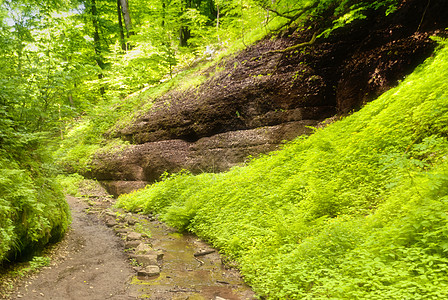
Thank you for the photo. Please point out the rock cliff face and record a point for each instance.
(262, 97)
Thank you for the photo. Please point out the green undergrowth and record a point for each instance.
(33, 210)
(358, 210)
(91, 133)
(77, 186)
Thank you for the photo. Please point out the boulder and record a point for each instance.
(146, 162)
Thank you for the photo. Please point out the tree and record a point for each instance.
(120, 26)
(126, 16)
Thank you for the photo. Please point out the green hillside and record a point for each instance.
(69, 65)
(358, 210)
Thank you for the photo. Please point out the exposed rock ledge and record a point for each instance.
(132, 168)
(253, 101)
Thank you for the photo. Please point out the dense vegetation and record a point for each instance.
(33, 210)
(155, 58)
(357, 210)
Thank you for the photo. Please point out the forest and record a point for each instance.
(357, 209)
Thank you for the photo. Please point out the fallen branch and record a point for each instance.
(293, 14)
(200, 261)
(202, 253)
(309, 43)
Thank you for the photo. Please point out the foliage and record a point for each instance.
(70, 183)
(33, 211)
(356, 210)
(152, 60)
(32, 208)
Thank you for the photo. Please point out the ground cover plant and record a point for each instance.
(358, 210)
(33, 210)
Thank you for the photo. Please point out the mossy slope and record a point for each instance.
(357, 210)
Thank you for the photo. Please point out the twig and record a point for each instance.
(203, 253)
(312, 41)
(200, 261)
(423, 16)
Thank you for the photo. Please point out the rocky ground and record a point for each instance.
(110, 254)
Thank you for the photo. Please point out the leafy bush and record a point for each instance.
(356, 210)
(33, 210)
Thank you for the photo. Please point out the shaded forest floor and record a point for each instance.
(97, 260)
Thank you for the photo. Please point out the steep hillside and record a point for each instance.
(251, 102)
(357, 210)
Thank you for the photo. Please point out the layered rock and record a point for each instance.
(124, 171)
(262, 97)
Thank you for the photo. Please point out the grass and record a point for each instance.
(356, 210)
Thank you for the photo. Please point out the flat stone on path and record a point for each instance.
(143, 248)
(111, 222)
(149, 271)
(131, 244)
(132, 236)
(145, 259)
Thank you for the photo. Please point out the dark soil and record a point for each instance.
(93, 261)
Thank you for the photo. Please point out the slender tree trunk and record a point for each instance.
(185, 33)
(217, 21)
(126, 17)
(70, 99)
(96, 41)
(96, 35)
(242, 24)
(120, 26)
(163, 13)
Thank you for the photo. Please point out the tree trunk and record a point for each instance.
(120, 26)
(185, 33)
(126, 17)
(96, 41)
(163, 13)
(217, 21)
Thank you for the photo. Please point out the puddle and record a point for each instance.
(184, 276)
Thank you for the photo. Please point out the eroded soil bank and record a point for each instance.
(106, 255)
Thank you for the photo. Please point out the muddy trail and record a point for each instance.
(111, 254)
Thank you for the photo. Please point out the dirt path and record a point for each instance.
(106, 255)
(89, 264)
